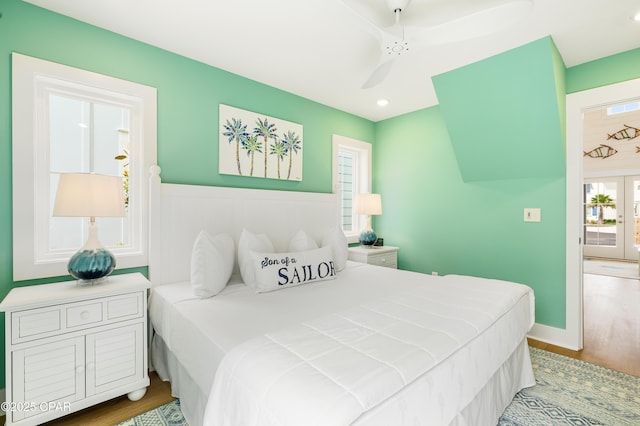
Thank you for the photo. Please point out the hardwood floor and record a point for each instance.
(612, 339)
(119, 409)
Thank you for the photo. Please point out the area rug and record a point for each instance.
(567, 392)
(611, 268)
(167, 415)
(574, 392)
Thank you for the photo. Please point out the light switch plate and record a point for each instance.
(531, 215)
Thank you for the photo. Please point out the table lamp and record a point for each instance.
(90, 195)
(368, 204)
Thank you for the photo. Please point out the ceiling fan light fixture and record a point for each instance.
(398, 48)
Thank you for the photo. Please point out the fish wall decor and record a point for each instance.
(603, 151)
(627, 133)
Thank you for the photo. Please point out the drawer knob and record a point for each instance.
(84, 315)
(80, 369)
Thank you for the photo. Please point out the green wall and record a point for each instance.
(506, 107)
(445, 225)
(189, 93)
(612, 69)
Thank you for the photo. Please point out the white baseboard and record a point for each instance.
(553, 335)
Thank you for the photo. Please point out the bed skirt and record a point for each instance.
(485, 409)
(489, 404)
(193, 400)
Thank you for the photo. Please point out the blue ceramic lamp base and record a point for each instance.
(91, 265)
(367, 238)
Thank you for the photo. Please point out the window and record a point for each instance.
(69, 120)
(351, 175)
(628, 107)
(91, 135)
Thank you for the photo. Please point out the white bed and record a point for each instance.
(374, 346)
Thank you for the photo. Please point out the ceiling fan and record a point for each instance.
(401, 28)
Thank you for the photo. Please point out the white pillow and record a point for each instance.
(336, 239)
(211, 264)
(301, 242)
(275, 271)
(247, 242)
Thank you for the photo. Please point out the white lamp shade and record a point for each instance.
(370, 204)
(89, 195)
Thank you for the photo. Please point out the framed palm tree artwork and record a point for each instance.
(256, 145)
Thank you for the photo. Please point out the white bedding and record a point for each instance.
(199, 333)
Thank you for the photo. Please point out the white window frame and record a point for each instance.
(362, 175)
(33, 81)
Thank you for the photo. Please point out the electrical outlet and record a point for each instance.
(531, 215)
(434, 273)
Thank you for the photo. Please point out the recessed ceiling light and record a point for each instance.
(636, 17)
(383, 102)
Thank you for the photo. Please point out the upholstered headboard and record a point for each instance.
(178, 213)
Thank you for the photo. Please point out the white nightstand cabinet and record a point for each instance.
(69, 347)
(381, 256)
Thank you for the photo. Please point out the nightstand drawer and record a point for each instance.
(84, 314)
(33, 323)
(384, 259)
(125, 307)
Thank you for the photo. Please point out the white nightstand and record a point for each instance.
(69, 347)
(381, 256)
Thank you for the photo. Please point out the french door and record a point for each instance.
(610, 217)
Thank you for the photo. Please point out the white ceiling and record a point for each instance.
(322, 50)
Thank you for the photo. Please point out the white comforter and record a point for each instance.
(438, 341)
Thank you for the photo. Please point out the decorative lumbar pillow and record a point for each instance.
(247, 242)
(336, 239)
(275, 271)
(301, 242)
(211, 263)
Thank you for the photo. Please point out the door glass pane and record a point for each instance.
(600, 213)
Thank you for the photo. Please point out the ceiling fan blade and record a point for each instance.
(379, 74)
(476, 24)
